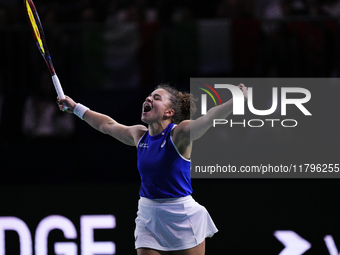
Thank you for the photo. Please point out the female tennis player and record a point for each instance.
(169, 220)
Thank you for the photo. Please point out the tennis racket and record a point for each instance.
(39, 37)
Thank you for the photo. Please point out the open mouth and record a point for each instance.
(146, 107)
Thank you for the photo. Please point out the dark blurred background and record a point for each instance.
(109, 55)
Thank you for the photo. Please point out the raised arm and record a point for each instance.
(201, 125)
(129, 135)
(188, 131)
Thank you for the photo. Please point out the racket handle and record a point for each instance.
(58, 89)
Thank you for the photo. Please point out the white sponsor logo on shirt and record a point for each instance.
(143, 145)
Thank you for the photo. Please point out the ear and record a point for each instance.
(169, 112)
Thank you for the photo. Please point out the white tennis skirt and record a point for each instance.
(172, 224)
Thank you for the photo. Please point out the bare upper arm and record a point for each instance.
(129, 135)
(192, 129)
(181, 138)
(188, 131)
(181, 131)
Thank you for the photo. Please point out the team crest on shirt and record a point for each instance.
(143, 145)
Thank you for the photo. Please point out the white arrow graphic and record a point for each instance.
(294, 244)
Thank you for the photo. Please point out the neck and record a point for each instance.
(158, 127)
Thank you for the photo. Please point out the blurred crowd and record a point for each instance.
(160, 45)
(155, 41)
(62, 11)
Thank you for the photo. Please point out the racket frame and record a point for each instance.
(40, 39)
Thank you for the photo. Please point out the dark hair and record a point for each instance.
(182, 103)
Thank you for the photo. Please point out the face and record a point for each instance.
(156, 107)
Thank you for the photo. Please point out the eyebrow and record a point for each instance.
(154, 95)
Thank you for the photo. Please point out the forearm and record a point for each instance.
(98, 121)
(103, 123)
(201, 125)
(219, 112)
(128, 135)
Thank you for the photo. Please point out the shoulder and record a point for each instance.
(137, 131)
(181, 138)
(181, 133)
(182, 129)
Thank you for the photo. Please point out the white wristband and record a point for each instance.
(80, 110)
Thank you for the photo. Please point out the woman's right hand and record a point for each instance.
(66, 102)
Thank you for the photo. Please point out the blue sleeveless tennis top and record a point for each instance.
(164, 172)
